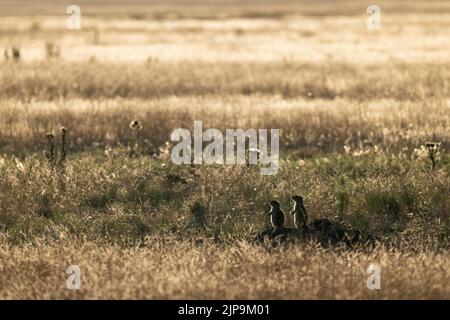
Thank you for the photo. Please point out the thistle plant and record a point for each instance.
(63, 145)
(135, 126)
(433, 152)
(50, 153)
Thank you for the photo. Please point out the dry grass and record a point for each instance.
(354, 108)
(109, 197)
(308, 126)
(289, 79)
(209, 271)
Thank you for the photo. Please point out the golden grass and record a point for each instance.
(307, 125)
(354, 107)
(182, 270)
(336, 37)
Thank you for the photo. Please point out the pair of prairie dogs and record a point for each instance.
(300, 214)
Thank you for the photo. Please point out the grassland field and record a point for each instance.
(355, 109)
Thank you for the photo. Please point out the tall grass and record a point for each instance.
(211, 271)
(357, 111)
(116, 199)
(307, 126)
(52, 80)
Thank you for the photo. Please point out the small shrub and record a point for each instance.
(101, 199)
(198, 213)
(44, 209)
(384, 205)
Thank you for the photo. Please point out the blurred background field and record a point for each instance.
(224, 31)
(355, 107)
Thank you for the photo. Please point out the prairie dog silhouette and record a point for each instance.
(326, 232)
(300, 214)
(276, 215)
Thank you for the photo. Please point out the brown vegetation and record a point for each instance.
(364, 119)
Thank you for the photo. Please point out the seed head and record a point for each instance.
(136, 125)
(432, 145)
(433, 152)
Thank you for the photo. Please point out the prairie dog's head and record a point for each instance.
(298, 199)
(274, 204)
